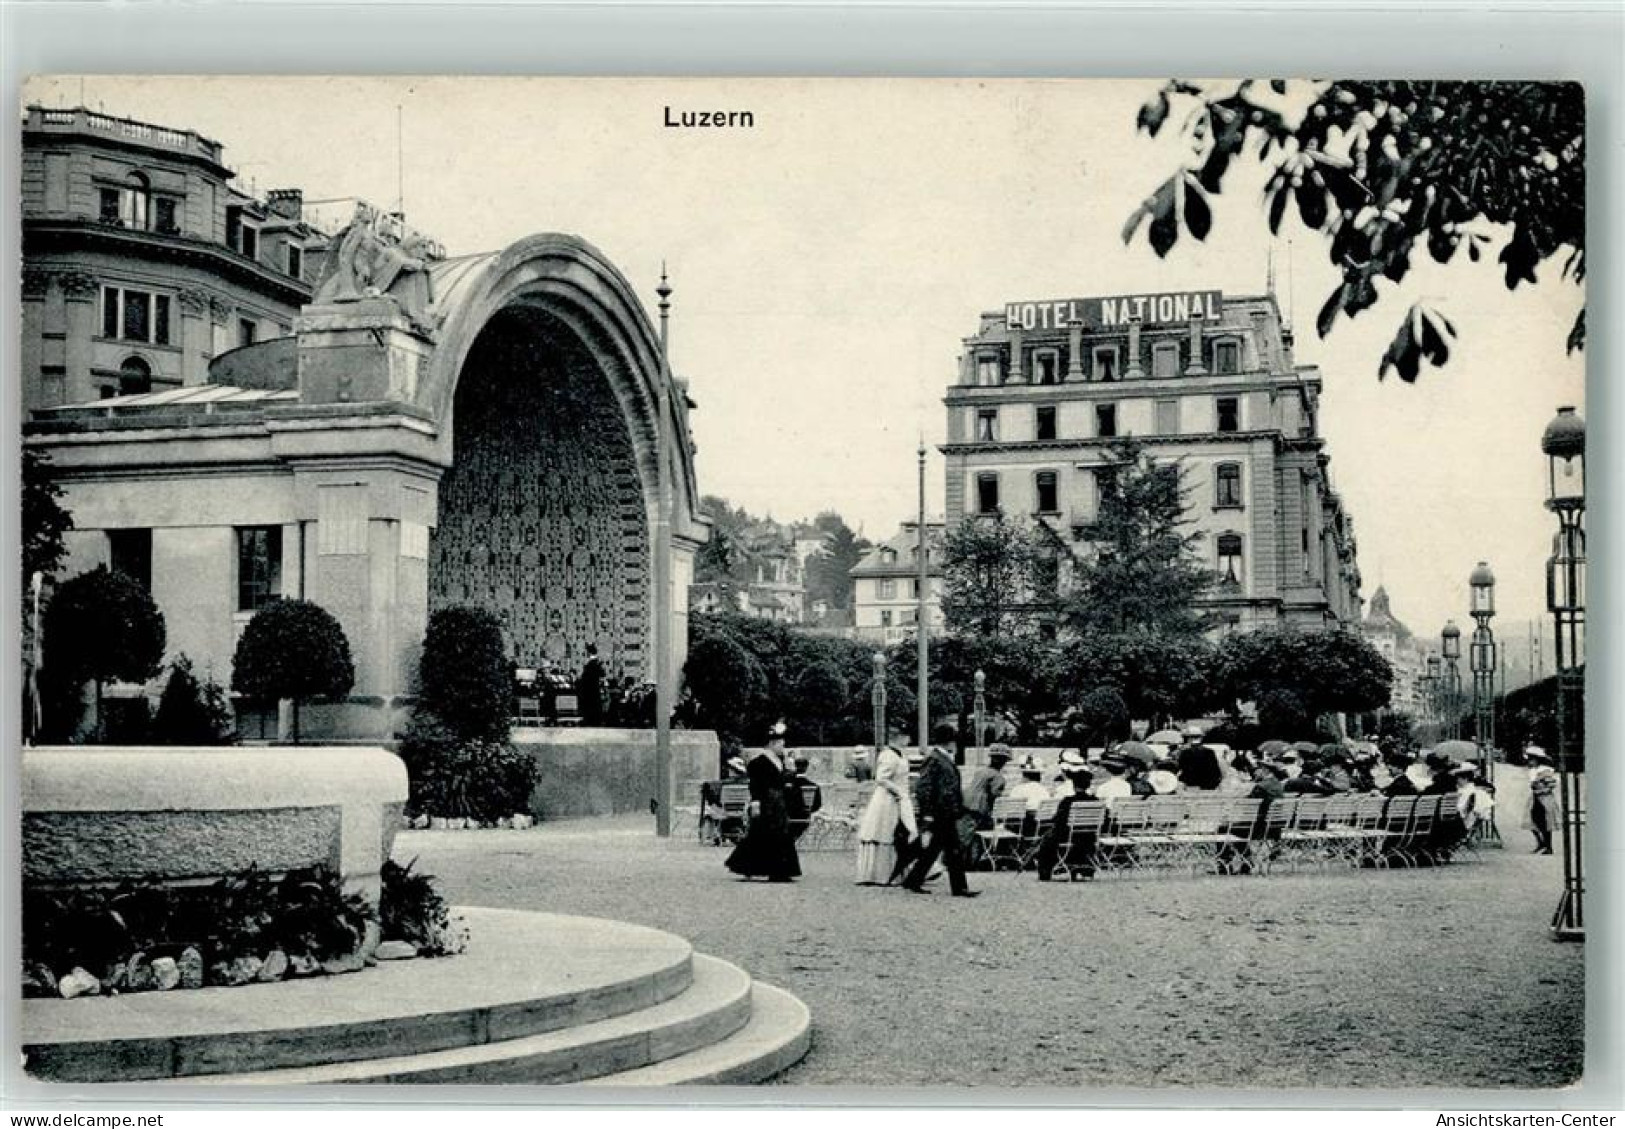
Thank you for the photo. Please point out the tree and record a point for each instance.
(1158, 676)
(819, 697)
(99, 626)
(44, 520)
(1375, 168)
(987, 575)
(463, 674)
(726, 558)
(1143, 573)
(829, 571)
(191, 712)
(1102, 716)
(1329, 671)
(726, 683)
(1282, 716)
(292, 649)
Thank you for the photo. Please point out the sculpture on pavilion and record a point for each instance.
(377, 256)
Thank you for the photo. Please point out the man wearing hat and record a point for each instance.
(860, 768)
(1078, 777)
(987, 785)
(939, 801)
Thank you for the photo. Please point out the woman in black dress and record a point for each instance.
(768, 849)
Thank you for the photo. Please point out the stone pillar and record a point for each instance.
(196, 336)
(1132, 367)
(81, 291)
(31, 349)
(1074, 348)
(358, 352)
(1018, 370)
(1196, 367)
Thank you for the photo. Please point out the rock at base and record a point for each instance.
(166, 974)
(338, 966)
(78, 983)
(396, 950)
(190, 963)
(138, 974)
(303, 964)
(274, 968)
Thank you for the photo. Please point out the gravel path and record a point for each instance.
(1393, 979)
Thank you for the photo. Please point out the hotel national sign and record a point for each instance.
(1114, 313)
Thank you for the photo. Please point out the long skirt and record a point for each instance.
(876, 861)
(768, 849)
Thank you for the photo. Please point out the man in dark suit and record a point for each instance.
(938, 802)
(590, 688)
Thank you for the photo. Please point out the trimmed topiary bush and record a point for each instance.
(191, 712)
(463, 674)
(100, 626)
(292, 649)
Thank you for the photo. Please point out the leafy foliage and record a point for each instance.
(104, 626)
(292, 649)
(726, 683)
(829, 571)
(44, 520)
(191, 712)
(1144, 574)
(412, 909)
(1379, 167)
(1157, 675)
(1282, 716)
(305, 913)
(463, 674)
(988, 577)
(1328, 671)
(464, 778)
(1102, 717)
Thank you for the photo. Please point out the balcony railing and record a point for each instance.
(185, 141)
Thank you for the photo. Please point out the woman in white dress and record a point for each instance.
(890, 805)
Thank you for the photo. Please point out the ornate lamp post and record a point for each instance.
(979, 705)
(1483, 660)
(663, 640)
(1564, 446)
(1430, 688)
(1450, 644)
(877, 698)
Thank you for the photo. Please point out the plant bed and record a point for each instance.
(251, 927)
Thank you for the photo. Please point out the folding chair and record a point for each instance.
(1421, 848)
(1080, 847)
(1033, 832)
(1000, 842)
(1306, 840)
(734, 802)
(1278, 819)
(1398, 821)
(1374, 834)
(1199, 837)
(1131, 844)
(1239, 845)
(1342, 840)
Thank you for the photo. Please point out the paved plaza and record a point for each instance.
(1425, 978)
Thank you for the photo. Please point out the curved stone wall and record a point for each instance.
(101, 815)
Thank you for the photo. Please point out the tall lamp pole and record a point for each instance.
(922, 679)
(1450, 644)
(1430, 692)
(979, 705)
(877, 699)
(1483, 659)
(1564, 446)
(663, 571)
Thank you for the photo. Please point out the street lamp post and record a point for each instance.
(1564, 447)
(979, 706)
(877, 697)
(663, 640)
(1450, 644)
(922, 654)
(1430, 689)
(1483, 659)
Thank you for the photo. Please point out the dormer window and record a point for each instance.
(888, 556)
(1226, 358)
(1104, 359)
(1165, 360)
(1047, 366)
(988, 372)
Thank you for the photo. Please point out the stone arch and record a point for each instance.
(545, 372)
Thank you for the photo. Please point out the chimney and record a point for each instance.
(289, 203)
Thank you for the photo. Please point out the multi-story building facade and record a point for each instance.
(886, 585)
(1405, 654)
(141, 262)
(1045, 389)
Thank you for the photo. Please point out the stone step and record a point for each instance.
(717, 1005)
(524, 974)
(775, 1039)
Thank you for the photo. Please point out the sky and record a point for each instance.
(827, 264)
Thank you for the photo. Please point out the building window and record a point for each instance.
(1227, 486)
(987, 425)
(885, 617)
(1105, 484)
(259, 566)
(987, 493)
(128, 205)
(1047, 364)
(130, 552)
(1230, 568)
(1105, 362)
(296, 261)
(914, 589)
(1227, 357)
(247, 329)
(1044, 422)
(135, 315)
(1048, 495)
(988, 371)
(164, 212)
(134, 377)
(1167, 412)
(888, 556)
(888, 589)
(1106, 420)
(1046, 576)
(1229, 411)
(1165, 359)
